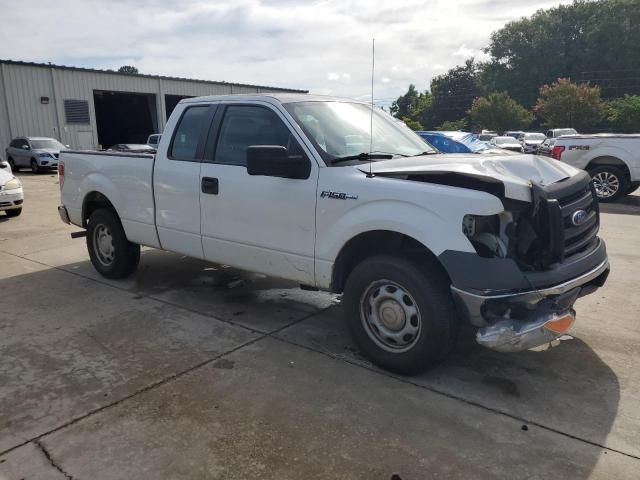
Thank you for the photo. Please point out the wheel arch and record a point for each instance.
(92, 202)
(376, 242)
(609, 160)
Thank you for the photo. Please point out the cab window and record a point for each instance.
(184, 144)
(245, 125)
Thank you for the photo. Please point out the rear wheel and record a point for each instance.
(34, 166)
(400, 313)
(14, 212)
(610, 182)
(112, 255)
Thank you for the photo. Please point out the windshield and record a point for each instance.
(566, 131)
(534, 136)
(49, 143)
(473, 143)
(340, 129)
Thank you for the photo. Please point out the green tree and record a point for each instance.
(452, 94)
(449, 126)
(412, 124)
(624, 113)
(128, 69)
(589, 41)
(499, 112)
(567, 104)
(411, 104)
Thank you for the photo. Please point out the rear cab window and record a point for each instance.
(187, 135)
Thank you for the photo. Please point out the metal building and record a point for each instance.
(88, 109)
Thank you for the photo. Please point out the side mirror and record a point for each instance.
(274, 161)
(67, 146)
(26, 147)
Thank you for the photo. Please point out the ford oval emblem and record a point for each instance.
(578, 217)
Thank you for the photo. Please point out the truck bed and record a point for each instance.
(126, 179)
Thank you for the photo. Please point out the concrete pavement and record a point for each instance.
(193, 370)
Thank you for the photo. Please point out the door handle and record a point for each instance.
(209, 185)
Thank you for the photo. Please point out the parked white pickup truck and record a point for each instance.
(295, 186)
(613, 161)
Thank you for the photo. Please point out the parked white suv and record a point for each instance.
(295, 186)
(613, 161)
(36, 153)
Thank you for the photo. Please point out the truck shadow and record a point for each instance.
(629, 205)
(568, 390)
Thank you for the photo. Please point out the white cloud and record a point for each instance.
(270, 42)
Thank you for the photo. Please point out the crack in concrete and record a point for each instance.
(51, 460)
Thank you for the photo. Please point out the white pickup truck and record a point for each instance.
(612, 160)
(295, 186)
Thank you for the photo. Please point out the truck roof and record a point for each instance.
(278, 97)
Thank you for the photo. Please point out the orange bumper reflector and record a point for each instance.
(560, 325)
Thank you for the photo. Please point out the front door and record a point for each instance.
(258, 223)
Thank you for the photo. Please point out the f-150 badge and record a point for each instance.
(338, 195)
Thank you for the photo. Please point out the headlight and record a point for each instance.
(12, 184)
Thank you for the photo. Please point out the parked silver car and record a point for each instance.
(531, 142)
(37, 153)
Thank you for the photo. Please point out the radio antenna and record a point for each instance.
(373, 64)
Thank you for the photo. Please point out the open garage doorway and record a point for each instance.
(123, 117)
(170, 102)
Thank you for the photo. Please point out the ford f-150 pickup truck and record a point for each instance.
(612, 160)
(339, 197)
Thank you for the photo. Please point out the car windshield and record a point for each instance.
(534, 136)
(48, 143)
(566, 131)
(473, 142)
(340, 129)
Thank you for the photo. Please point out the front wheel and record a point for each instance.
(609, 182)
(34, 166)
(400, 312)
(12, 164)
(112, 255)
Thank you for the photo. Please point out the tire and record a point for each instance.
(112, 255)
(14, 212)
(34, 166)
(12, 164)
(610, 182)
(421, 293)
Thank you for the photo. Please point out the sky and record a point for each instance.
(322, 46)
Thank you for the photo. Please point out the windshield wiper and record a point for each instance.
(426, 152)
(363, 157)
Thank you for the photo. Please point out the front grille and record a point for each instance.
(578, 238)
(547, 235)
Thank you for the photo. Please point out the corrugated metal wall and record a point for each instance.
(23, 114)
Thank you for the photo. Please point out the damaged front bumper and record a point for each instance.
(519, 321)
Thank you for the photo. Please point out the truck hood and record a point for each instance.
(516, 173)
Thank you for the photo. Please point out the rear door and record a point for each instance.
(258, 223)
(177, 180)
